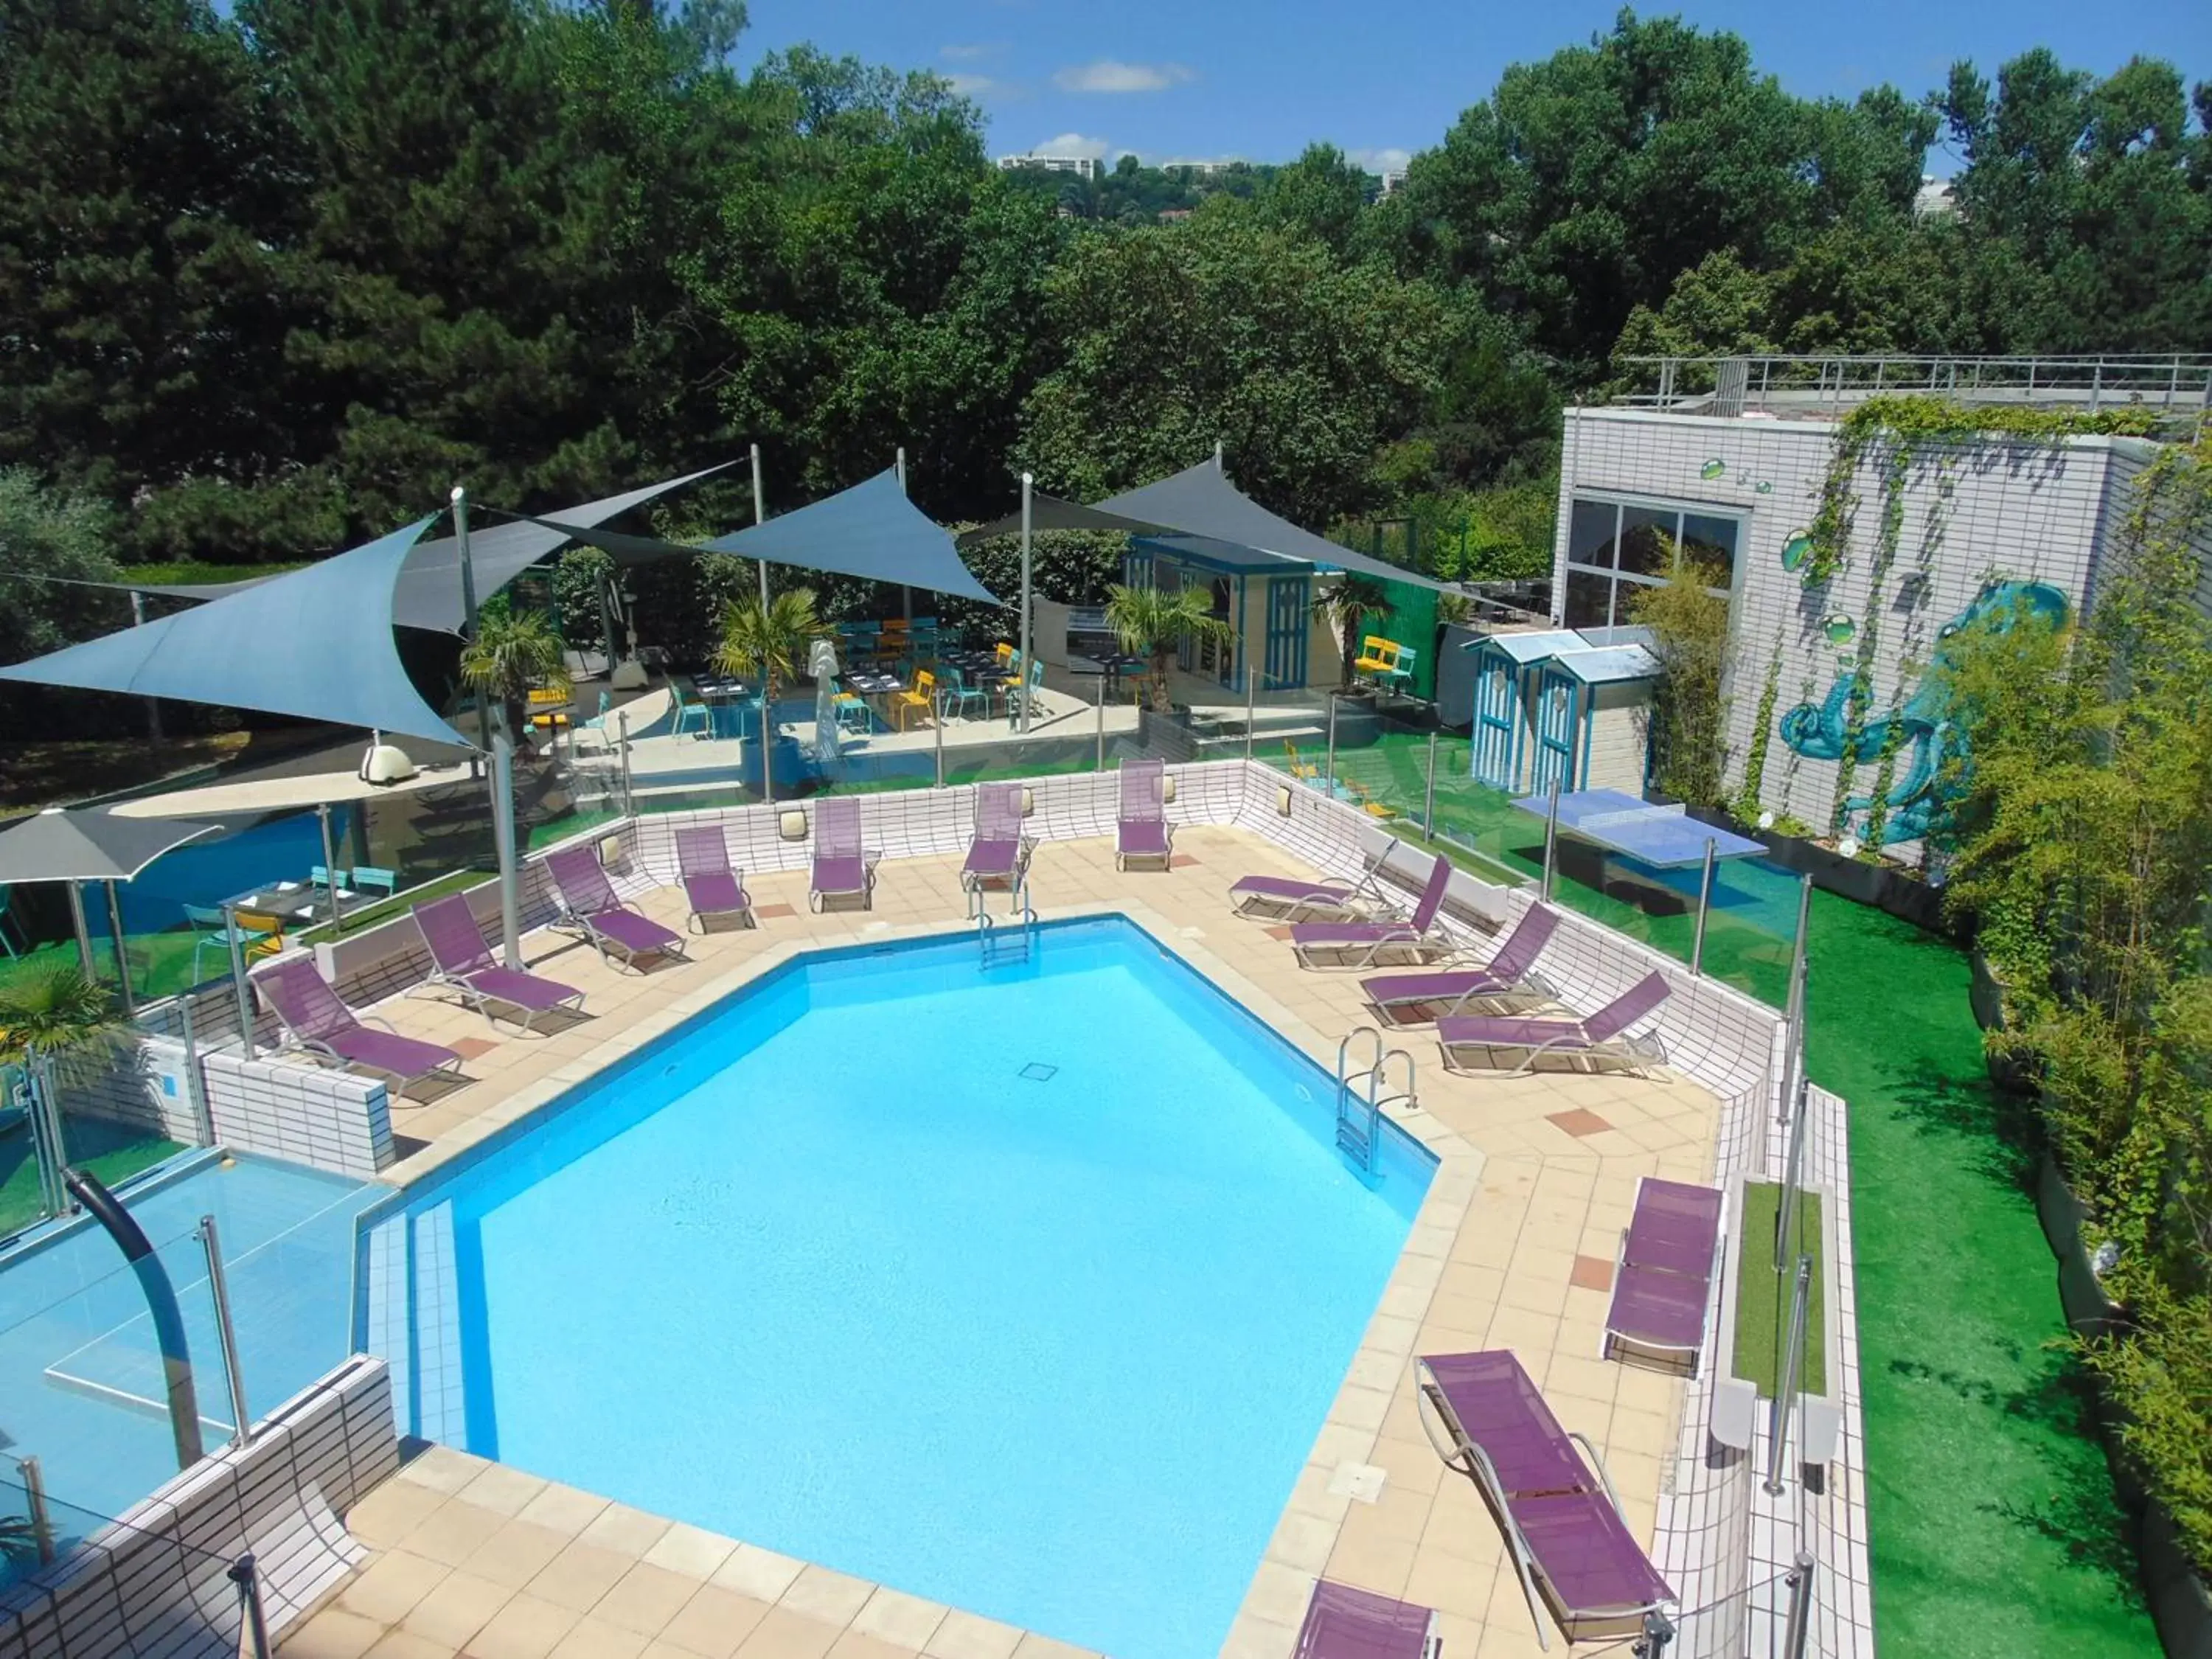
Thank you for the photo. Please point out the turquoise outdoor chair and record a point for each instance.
(370, 879)
(958, 693)
(211, 927)
(693, 717)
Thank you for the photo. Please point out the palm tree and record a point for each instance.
(1152, 622)
(772, 642)
(513, 653)
(1346, 606)
(59, 1013)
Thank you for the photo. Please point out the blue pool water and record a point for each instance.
(1026, 1290)
(81, 1380)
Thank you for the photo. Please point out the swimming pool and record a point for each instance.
(1024, 1288)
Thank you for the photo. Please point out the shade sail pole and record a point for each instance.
(502, 830)
(906, 593)
(1028, 482)
(122, 957)
(153, 704)
(1218, 466)
(83, 934)
(459, 501)
(760, 516)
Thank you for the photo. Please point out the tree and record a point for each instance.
(1346, 605)
(1690, 637)
(58, 1013)
(1220, 330)
(513, 653)
(1318, 198)
(49, 542)
(1153, 622)
(772, 642)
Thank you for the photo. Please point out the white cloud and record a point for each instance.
(972, 86)
(1389, 159)
(1075, 144)
(974, 53)
(1111, 75)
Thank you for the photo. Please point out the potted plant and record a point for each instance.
(513, 655)
(1346, 606)
(59, 1016)
(772, 641)
(1153, 622)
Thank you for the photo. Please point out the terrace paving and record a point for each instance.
(1514, 1250)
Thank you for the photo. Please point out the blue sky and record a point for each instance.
(1259, 79)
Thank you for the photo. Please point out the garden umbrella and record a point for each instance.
(77, 844)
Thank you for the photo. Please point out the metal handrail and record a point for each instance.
(2174, 381)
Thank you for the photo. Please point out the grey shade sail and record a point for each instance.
(316, 643)
(1200, 501)
(871, 531)
(85, 844)
(428, 595)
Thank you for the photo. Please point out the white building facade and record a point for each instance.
(1989, 525)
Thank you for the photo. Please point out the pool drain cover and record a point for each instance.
(1037, 1072)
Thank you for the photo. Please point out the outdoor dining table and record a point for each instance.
(285, 900)
(726, 702)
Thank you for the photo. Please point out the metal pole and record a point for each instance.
(195, 1085)
(238, 979)
(503, 831)
(767, 747)
(46, 1108)
(226, 1334)
(936, 730)
(1704, 907)
(1251, 698)
(607, 628)
(1328, 774)
(1799, 1624)
(256, 1625)
(760, 516)
(1217, 455)
(1551, 838)
(330, 866)
(1785, 1218)
(1777, 1428)
(459, 502)
(153, 704)
(1028, 482)
(34, 1499)
(83, 934)
(621, 738)
(122, 957)
(1429, 806)
(906, 593)
(1102, 717)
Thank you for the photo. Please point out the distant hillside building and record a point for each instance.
(1083, 167)
(1394, 181)
(1935, 199)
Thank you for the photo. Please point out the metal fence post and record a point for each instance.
(195, 1085)
(1428, 804)
(226, 1333)
(237, 981)
(1704, 907)
(1778, 1428)
(1251, 700)
(1328, 774)
(255, 1632)
(622, 734)
(1800, 1624)
(34, 1499)
(767, 749)
(1551, 838)
(937, 728)
(330, 866)
(1101, 720)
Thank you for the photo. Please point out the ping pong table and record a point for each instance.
(1663, 837)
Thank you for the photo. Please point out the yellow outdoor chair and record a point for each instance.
(1304, 771)
(1378, 658)
(923, 696)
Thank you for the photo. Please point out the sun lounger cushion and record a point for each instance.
(1344, 1623)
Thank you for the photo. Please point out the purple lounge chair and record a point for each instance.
(1601, 1040)
(460, 958)
(1344, 1623)
(317, 1022)
(1409, 998)
(1663, 1280)
(1141, 831)
(842, 866)
(1562, 1523)
(1363, 944)
(711, 887)
(1288, 898)
(997, 853)
(591, 908)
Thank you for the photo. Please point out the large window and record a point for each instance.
(1615, 547)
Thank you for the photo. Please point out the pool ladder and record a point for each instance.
(1361, 1096)
(997, 941)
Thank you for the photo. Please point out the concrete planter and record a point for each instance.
(1987, 997)
(1896, 892)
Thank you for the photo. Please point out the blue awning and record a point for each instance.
(871, 531)
(316, 643)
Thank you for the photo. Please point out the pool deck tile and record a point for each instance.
(1499, 1256)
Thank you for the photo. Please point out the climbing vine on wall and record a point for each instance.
(1754, 765)
(1896, 465)
(1914, 424)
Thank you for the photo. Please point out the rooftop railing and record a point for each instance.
(2176, 383)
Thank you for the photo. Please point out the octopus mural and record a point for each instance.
(1818, 731)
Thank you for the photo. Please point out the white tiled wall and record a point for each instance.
(156, 1581)
(331, 1120)
(2030, 512)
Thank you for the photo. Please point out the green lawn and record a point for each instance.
(110, 1152)
(1763, 1295)
(399, 904)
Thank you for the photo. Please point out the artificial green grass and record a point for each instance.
(1763, 1295)
(111, 1151)
(399, 904)
(160, 963)
(1993, 1526)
